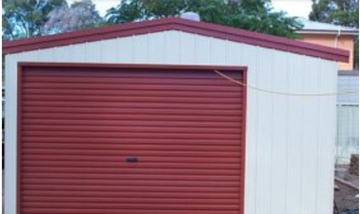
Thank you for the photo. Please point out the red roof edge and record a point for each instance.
(201, 28)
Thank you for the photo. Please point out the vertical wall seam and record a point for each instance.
(271, 140)
(318, 131)
(255, 73)
(147, 36)
(226, 52)
(287, 116)
(195, 55)
(257, 53)
(302, 139)
(132, 48)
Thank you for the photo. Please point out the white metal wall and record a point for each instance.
(290, 140)
(347, 137)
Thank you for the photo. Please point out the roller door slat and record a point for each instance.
(125, 80)
(138, 111)
(102, 135)
(81, 182)
(125, 153)
(140, 171)
(105, 158)
(131, 87)
(99, 141)
(147, 93)
(159, 177)
(129, 73)
(164, 117)
(129, 206)
(94, 126)
(141, 105)
(129, 146)
(129, 194)
(141, 99)
(124, 164)
(139, 200)
(127, 211)
(208, 190)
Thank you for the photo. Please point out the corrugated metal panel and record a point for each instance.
(347, 137)
(130, 141)
(348, 83)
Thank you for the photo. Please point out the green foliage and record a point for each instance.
(338, 12)
(80, 15)
(32, 18)
(24, 18)
(255, 15)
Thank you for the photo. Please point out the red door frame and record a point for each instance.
(23, 65)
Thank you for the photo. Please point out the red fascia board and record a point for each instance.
(201, 28)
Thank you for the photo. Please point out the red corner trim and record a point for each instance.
(201, 28)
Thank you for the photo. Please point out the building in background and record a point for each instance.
(347, 138)
(332, 36)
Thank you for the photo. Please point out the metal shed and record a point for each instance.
(133, 119)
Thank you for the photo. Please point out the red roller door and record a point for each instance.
(130, 139)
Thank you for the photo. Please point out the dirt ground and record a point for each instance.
(347, 191)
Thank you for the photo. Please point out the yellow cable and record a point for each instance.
(285, 93)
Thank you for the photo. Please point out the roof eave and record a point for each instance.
(328, 32)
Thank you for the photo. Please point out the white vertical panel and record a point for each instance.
(156, 47)
(62, 54)
(248, 57)
(141, 49)
(10, 133)
(172, 47)
(264, 132)
(29, 56)
(92, 52)
(279, 133)
(46, 55)
(217, 51)
(109, 51)
(327, 138)
(310, 136)
(295, 137)
(125, 52)
(187, 48)
(234, 53)
(77, 53)
(202, 50)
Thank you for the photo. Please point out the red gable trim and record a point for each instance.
(201, 28)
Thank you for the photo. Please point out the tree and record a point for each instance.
(79, 15)
(338, 12)
(255, 15)
(25, 18)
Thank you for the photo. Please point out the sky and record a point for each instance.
(299, 8)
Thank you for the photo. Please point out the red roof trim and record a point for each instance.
(201, 28)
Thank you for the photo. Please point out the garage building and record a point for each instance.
(134, 119)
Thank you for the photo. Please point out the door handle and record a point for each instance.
(132, 159)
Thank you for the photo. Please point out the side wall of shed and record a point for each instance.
(290, 140)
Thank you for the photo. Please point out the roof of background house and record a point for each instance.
(200, 28)
(348, 81)
(312, 27)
